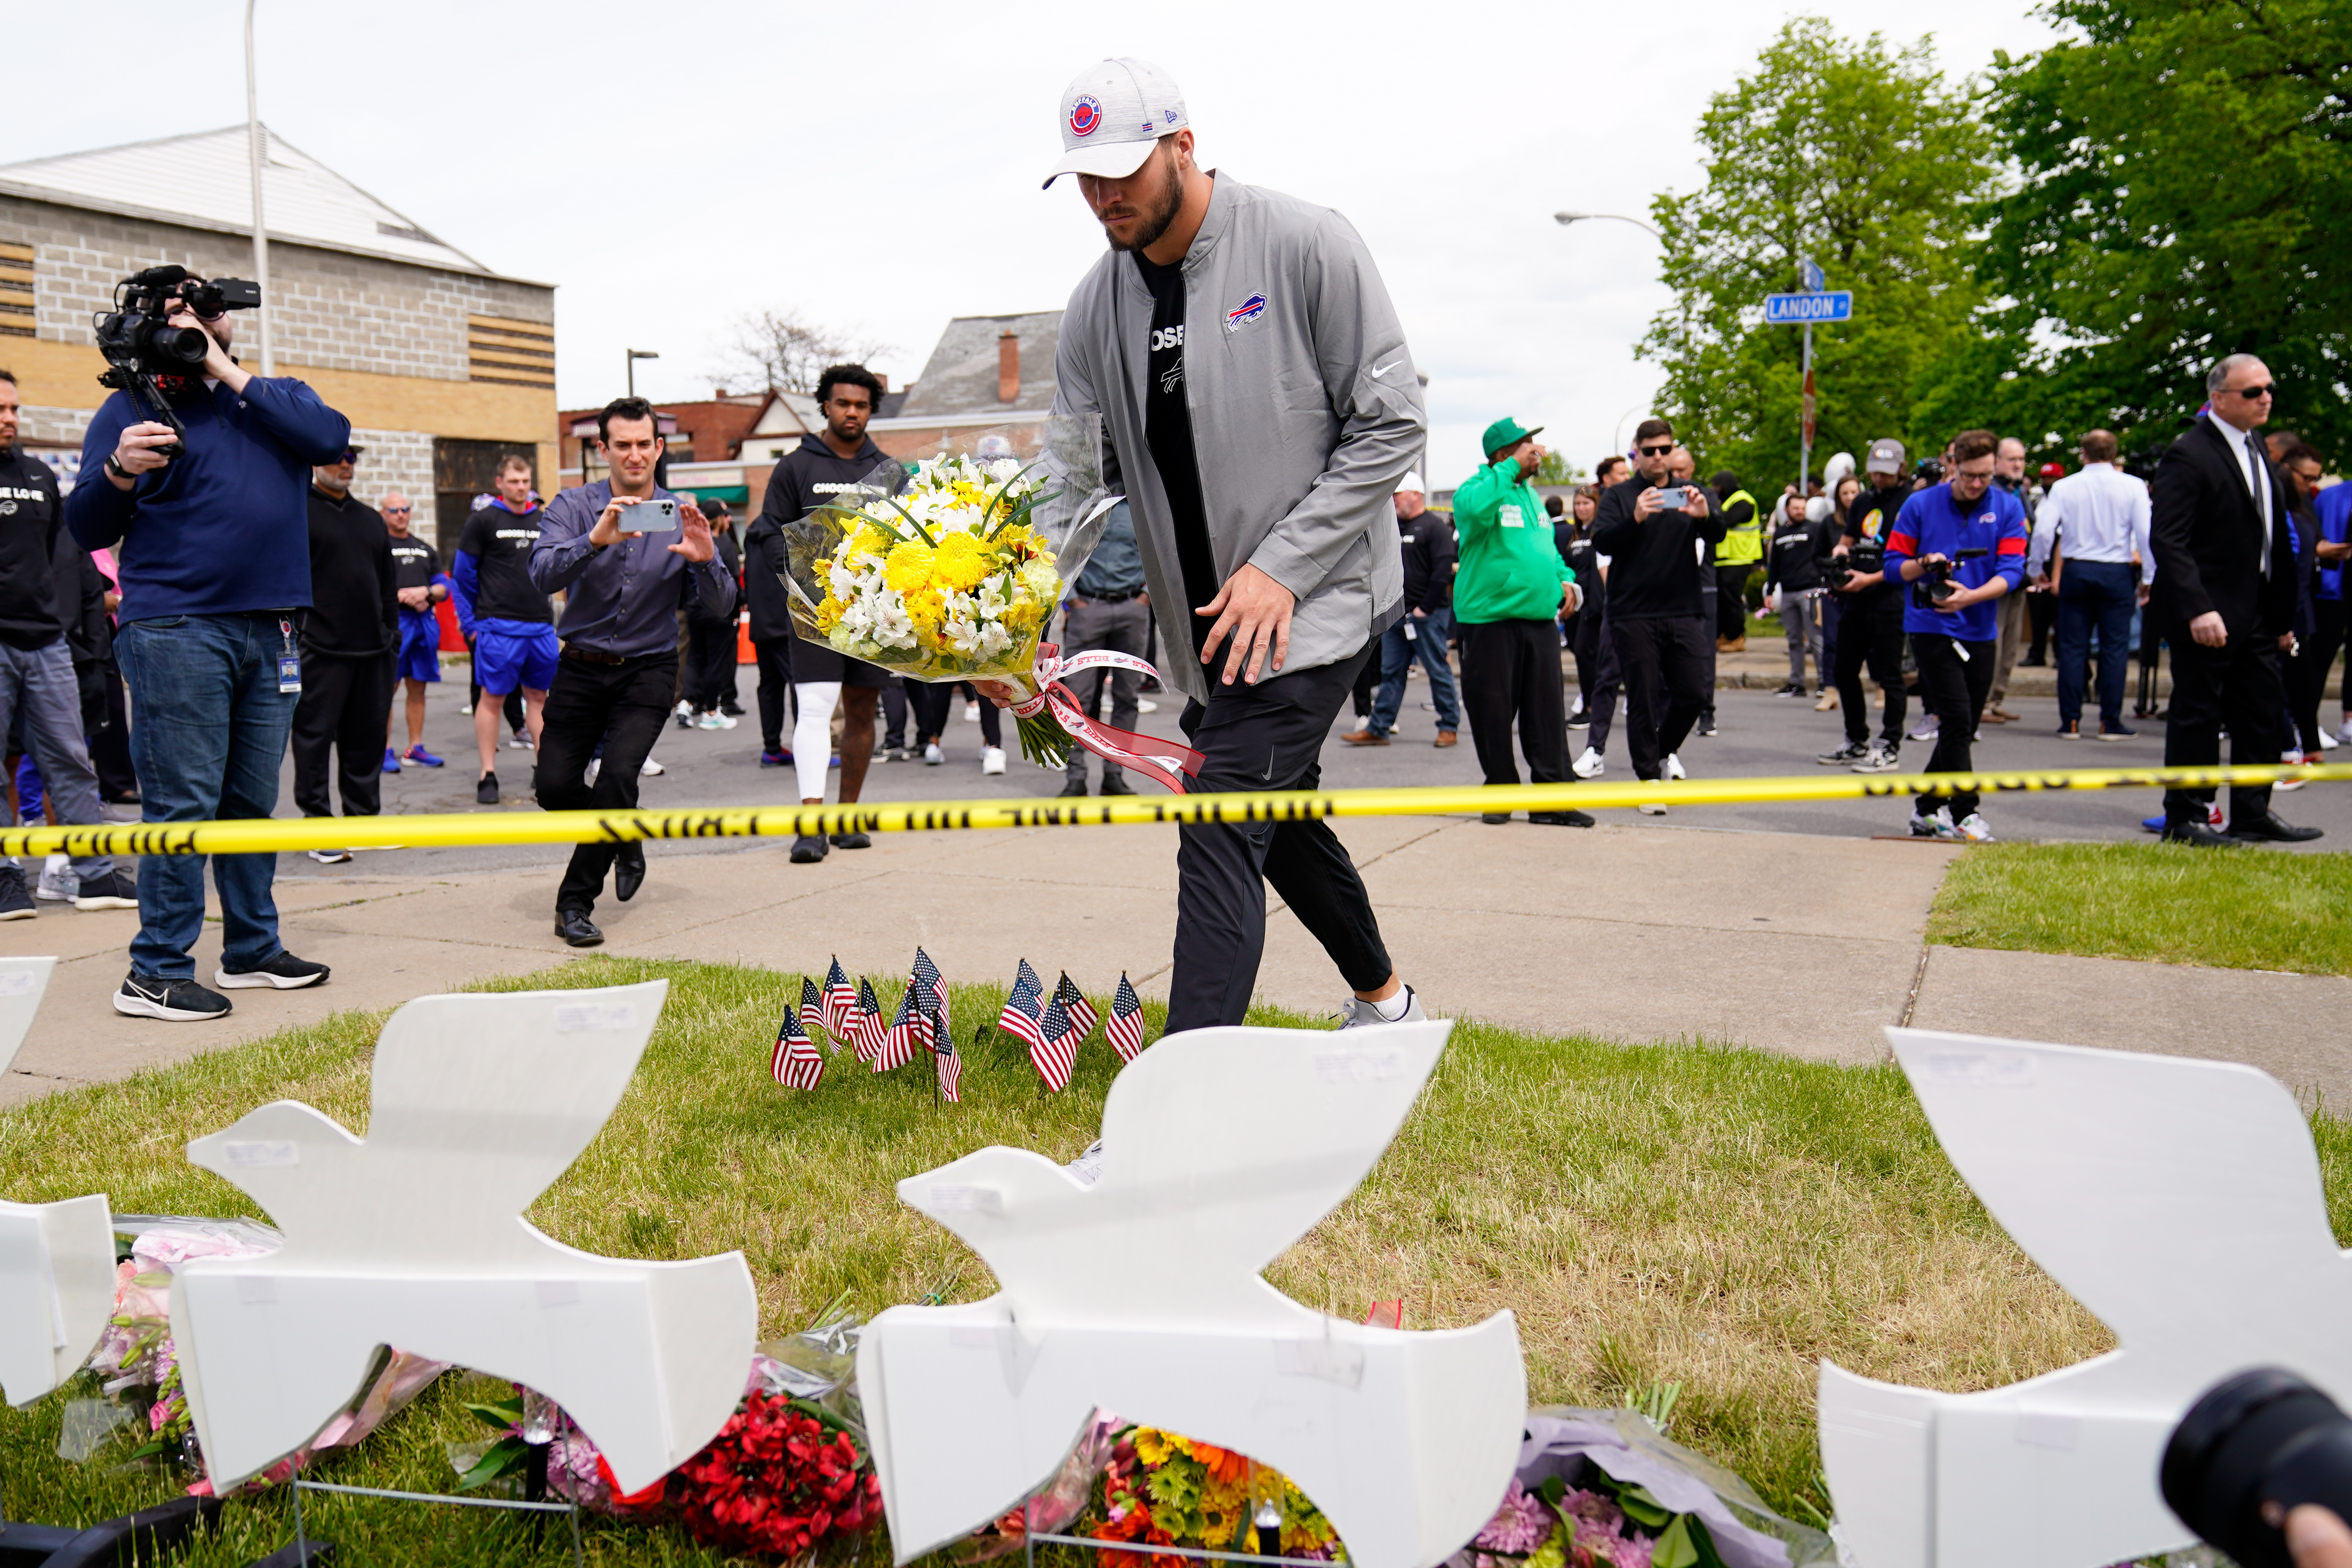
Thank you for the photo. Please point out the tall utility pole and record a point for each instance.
(253, 156)
(634, 355)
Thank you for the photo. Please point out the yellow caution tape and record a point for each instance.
(475, 828)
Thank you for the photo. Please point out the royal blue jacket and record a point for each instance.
(224, 528)
(1931, 524)
(2335, 507)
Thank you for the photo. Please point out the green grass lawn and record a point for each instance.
(1716, 1217)
(2234, 909)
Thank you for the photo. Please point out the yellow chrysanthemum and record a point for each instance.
(908, 568)
(960, 563)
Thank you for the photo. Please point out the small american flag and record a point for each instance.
(797, 1064)
(1055, 1051)
(1125, 1030)
(1081, 1011)
(927, 973)
(1024, 1010)
(840, 1008)
(944, 1058)
(898, 1044)
(812, 1012)
(867, 1030)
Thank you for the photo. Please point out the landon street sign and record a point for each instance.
(1796, 309)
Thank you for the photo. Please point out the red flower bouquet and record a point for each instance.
(775, 1480)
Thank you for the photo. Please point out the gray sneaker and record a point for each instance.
(1361, 1012)
(58, 881)
(1879, 759)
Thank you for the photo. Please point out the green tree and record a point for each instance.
(1863, 157)
(2183, 168)
(1556, 469)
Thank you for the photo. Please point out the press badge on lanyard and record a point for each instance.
(290, 661)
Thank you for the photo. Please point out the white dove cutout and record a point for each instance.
(56, 1260)
(2179, 1200)
(416, 1238)
(1141, 1294)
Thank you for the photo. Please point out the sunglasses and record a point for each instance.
(2250, 393)
(1655, 451)
(350, 455)
(401, 509)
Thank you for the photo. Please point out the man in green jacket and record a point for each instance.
(1509, 596)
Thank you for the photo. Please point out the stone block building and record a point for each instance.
(442, 366)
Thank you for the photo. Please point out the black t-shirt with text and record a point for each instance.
(415, 563)
(1168, 430)
(1872, 516)
(500, 541)
(29, 519)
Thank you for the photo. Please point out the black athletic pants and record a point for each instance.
(934, 700)
(1510, 669)
(711, 646)
(1866, 637)
(1731, 601)
(345, 705)
(621, 706)
(2306, 678)
(775, 655)
(1665, 663)
(1266, 737)
(2237, 687)
(1954, 689)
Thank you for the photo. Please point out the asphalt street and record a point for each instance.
(1761, 736)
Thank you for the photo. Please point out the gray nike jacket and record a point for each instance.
(1305, 412)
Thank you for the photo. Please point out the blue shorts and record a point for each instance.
(420, 645)
(508, 661)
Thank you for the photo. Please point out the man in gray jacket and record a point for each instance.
(1259, 406)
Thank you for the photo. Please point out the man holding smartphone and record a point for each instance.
(628, 555)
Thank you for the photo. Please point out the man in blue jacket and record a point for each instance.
(215, 547)
(1961, 545)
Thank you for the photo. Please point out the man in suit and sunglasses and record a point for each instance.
(2225, 595)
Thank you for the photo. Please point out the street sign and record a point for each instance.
(1810, 271)
(1804, 310)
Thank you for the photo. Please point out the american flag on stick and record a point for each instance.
(1055, 1051)
(1125, 1029)
(867, 1030)
(1081, 1011)
(949, 1065)
(812, 1012)
(797, 1064)
(1024, 1010)
(898, 1046)
(927, 975)
(840, 1008)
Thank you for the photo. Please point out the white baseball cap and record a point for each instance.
(1412, 481)
(1112, 114)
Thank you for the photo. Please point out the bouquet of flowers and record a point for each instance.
(1162, 1489)
(949, 568)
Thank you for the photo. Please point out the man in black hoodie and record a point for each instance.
(348, 641)
(836, 458)
(1656, 532)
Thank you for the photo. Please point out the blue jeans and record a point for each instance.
(37, 687)
(1397, 653)
(208, 733)
(2104, 594)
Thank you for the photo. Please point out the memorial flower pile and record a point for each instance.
(1606, 1526)
(1163, 1489)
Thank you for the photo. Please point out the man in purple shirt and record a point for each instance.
(623, 588)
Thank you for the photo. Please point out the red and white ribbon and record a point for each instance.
(1164, 761)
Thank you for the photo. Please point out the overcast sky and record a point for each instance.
(670, 165)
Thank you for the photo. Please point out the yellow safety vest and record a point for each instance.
(1743, 543)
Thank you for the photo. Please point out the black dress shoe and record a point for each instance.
(1561, 818)
(1117, 786)
(574, 926)
(628, 871)
(1075, 786)
(2271, 828)
(853, 841)
(2199, 836)
(808, 848)
(1494, 819)
(486, 790)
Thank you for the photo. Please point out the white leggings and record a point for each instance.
(813, 734)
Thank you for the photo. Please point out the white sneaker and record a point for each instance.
(2285, 786)
(58, 881)
(330, 857)
(714, 720)
(520, 743)
(972, 712)
(1937, 824)
(1974, 829)
(1590, 765)
(1924, 730)
(932, 756)
(1651, 808)
(2327, 742)
(466, 710)
(1145, 705)
(652, 770)
(1674, 767)
(2344, 732)
(991, 760)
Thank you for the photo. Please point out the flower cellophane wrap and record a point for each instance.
(949, 566)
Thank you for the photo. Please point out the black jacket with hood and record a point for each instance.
(805, 480)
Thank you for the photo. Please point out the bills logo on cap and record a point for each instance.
(1086, 117)
(1249, 310)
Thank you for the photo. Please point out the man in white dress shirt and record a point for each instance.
(2105, 568)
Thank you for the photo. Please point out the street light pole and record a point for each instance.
(253, 159)
(634, 355)
(1564, 219)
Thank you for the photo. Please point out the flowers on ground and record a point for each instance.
(1163, 1489)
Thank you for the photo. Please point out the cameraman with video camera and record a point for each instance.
(1961, 545)
(1870, 621)
(196, 472)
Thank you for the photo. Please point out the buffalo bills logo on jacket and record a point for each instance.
(1249, 310)
(1086, 116)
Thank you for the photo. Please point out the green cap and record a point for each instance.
(1505, 433)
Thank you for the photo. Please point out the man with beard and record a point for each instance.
(347, 646)
(1260, 407)
(1870, 620)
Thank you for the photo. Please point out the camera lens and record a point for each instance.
(179, 345)
(2251, 1448)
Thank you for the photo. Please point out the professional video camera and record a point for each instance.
(1861, 559)
(1934, 585)
(1930, 471)
(140, 343)
(2252, 1448)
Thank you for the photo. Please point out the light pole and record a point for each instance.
(1564, 219)
(634, 355)
(254, 158)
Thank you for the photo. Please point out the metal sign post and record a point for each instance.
(1812, 303)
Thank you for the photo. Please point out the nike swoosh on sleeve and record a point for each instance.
(1388, 367)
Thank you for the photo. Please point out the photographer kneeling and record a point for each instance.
(210, 525)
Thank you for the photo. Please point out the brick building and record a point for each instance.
(983, 371)
(442, 366)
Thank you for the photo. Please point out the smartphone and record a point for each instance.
(658, 515)
(1673, 497)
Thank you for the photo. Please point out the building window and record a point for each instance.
(15, 290)
(514, 353)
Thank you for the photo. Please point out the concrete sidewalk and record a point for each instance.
(1789, 942)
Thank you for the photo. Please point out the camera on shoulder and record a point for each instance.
(141, 343)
